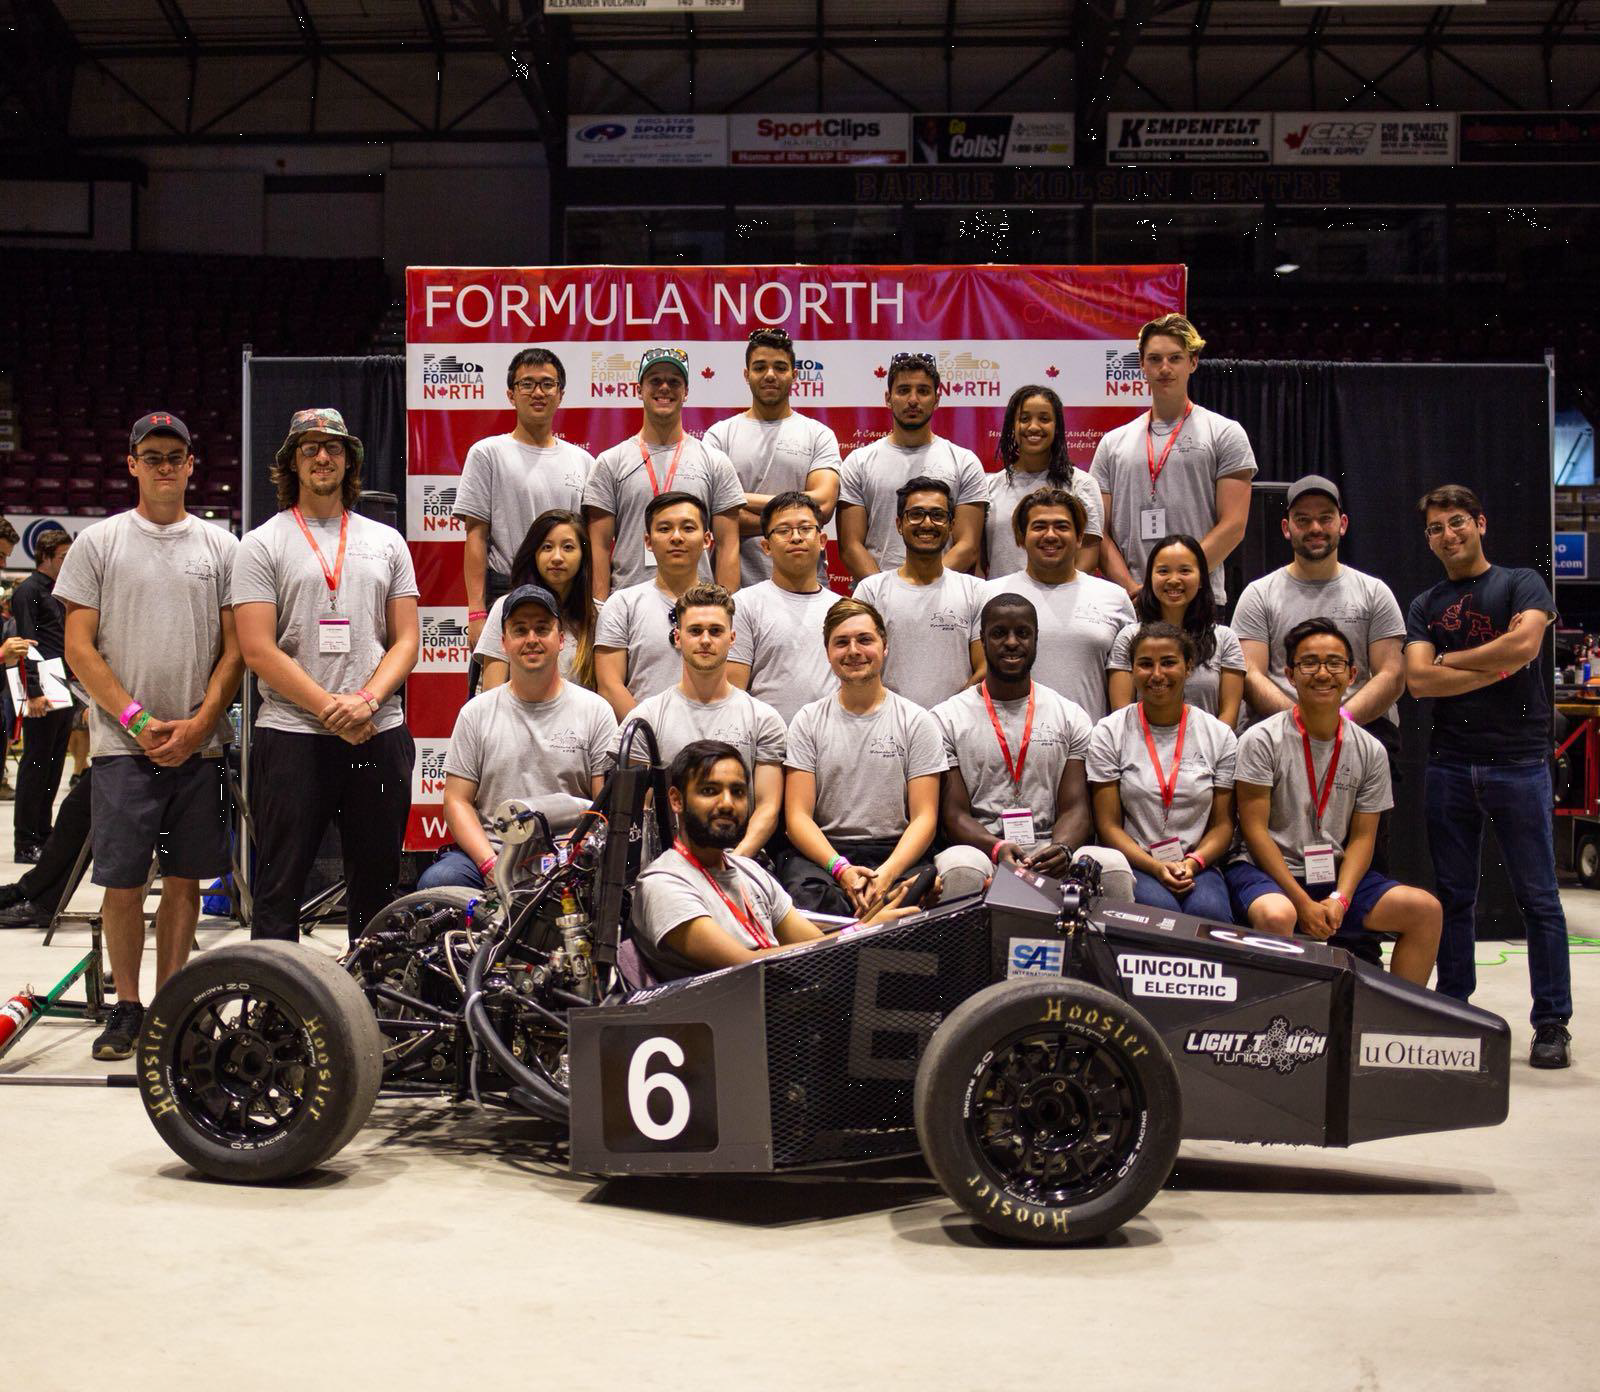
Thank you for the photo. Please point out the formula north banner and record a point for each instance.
(992, 329)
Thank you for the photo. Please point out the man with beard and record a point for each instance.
(774, 448)
(700, 905)
(537, 737)
(929, 609)
(1016, 792)
(777, 653)
(1079, 616)
(1474, 644)
(704, 705)
(325, 601)
(873, 474)
(660, 458)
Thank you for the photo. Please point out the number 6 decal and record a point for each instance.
(641, 1083)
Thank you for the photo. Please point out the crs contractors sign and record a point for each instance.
(838, 138)
(1188, 137)
(1404, 137)
(1033, 138)
(623, 142)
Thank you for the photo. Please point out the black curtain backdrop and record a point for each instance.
(1386, 433)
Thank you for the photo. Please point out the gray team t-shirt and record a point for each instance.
(862, 763)
(638, 620)
(1078, 623)
(1117, 754)
(1211, 447)
(671, 892)
(777, 634)
(873, 474)
(930, 656)
(507, 484)
(1272, 755)
(532, 750)
(1203, 689)
(750, 726)
(490, 647)
(619, 484)
(275, 566)
(772, 457)
(1362, 605)
(1000, 542)
(160, 592)
(1060, 734)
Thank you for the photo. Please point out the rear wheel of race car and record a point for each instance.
(1048, 1110)
(258, 1062)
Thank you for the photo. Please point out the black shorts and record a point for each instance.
(141, 809)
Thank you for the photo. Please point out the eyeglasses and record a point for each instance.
(1308, 666)
(536, 386)
(918, 515)
(803, 530)
(309, 449)
(1459, 523)
(170, 462)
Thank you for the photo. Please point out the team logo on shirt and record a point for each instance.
(887, 747)
(445, 377)
(444, 645)
(613, 374)
(568, 741)
(966, 374)
(947, 621)
(200, 567)
(1124, 377)
(1462, 618)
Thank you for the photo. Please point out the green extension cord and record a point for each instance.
(1587, 947)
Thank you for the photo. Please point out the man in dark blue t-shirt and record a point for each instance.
(1473, 645)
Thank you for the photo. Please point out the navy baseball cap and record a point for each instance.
(157, 423)
(528, 594)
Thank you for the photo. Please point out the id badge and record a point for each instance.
(1319, 865)
(1016, 826)
(333, 635)
(1152, 523)
(1168, 851)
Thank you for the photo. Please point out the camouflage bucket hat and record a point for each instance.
(323, 419)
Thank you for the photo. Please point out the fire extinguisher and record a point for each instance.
(16, 1013)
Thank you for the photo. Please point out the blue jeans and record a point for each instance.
(454, 867)
(1518, 799)
(1208, 899)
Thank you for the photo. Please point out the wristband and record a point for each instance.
(139, 722)
(473, 615)
(1337, 895)
(129, 712)
(1197, 858)
(837, 866)
(994, 851)
(370, 699)
(486, 865)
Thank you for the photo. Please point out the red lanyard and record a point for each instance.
(331, 576)
(1156, 466)
(672, 469)
(1319, 795)
(1005, 749)
(746, 918)
(1168, 786)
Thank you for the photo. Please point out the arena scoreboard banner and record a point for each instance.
(992, 328)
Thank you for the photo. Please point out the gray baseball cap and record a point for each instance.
(528, 594)
(1314, 483)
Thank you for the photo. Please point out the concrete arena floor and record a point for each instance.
(441, 1247)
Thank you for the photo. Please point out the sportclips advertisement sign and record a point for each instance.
(992, 329)
(843, 138)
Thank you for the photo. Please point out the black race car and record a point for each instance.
(1045, 1050)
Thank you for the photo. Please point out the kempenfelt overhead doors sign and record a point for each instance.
(1188, 137)
(642, 142)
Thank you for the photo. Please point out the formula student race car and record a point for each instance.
(1045, 1050)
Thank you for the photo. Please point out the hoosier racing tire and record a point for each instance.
(259, 1061)
(1048, 1110)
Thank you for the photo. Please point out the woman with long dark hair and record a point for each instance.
(1033, 451)
(555, 554)
(1177, 590)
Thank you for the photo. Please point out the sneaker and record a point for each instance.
(24, 914)
(121, 1032)
(1550, 1047)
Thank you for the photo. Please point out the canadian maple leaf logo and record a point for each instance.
(880, 371)
(1293, 139)
(1052, 371)
(707, 373)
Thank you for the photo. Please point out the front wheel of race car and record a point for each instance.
(1048, 1110)
(259, 1061)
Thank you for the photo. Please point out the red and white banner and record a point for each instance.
(993, 329)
